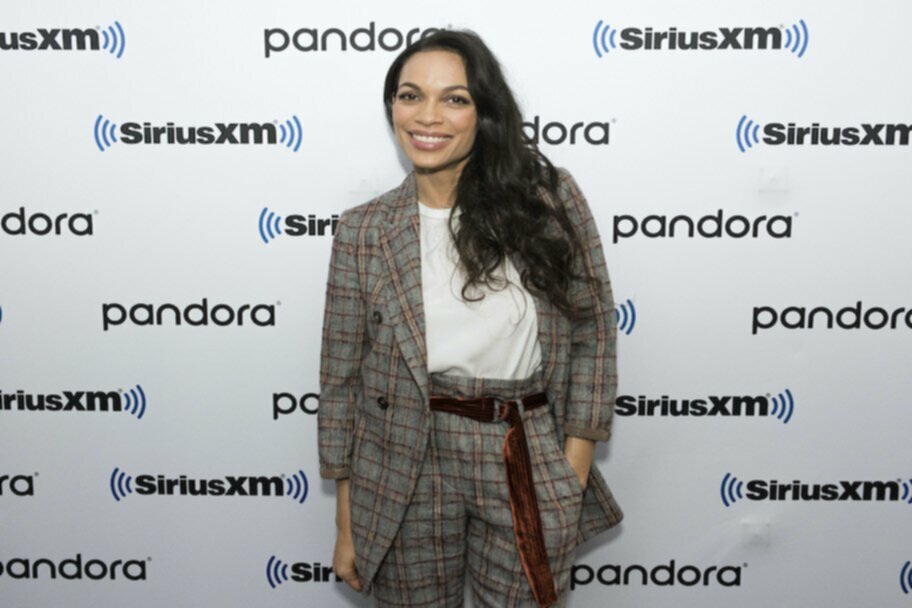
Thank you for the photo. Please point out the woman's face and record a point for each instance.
(433, 113)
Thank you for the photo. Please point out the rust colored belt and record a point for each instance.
(527, 527)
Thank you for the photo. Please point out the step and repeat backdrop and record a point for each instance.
(171, 175)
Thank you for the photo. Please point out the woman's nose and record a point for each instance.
(428, 112)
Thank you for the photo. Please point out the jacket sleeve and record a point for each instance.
(589, 410)
(343, 345)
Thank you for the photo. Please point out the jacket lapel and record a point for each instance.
(400, 239)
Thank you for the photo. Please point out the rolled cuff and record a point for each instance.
(573, 430)
(327, 472)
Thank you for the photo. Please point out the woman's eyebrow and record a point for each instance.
(445, 89)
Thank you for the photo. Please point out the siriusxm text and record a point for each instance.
(216, 134)
(865, 134)
(761, 489)
(242, 485)
(725, 405)
(57, 39)
(65, 401)
(723, 38)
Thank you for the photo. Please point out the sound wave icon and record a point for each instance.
(1, 314)
(746, 133)
(603, 39)
(905, 578)
(907, 492)
(134, 402)
(625, 315)
(731, 489)
(796, 39)
(105, 133)
(276, 571)
(783, 406)
(296, 486)
(113, 39)
(121, 484)
(291, 133)
(270, 225)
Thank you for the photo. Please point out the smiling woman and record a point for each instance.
(434, 118)
(468, 357)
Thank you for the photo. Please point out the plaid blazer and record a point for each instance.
(374, 419)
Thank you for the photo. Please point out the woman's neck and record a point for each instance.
(437, 188)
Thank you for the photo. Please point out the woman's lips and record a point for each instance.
(428, 143)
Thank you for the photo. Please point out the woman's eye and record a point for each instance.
(458, 99)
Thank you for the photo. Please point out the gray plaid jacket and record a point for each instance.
(373, 366)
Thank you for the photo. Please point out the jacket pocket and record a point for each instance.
(554, 453)
(574, 478)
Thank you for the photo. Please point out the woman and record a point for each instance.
(468, 358)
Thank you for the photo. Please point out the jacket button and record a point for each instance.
(378, 318)
(382, 402)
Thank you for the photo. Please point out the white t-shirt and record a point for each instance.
(496, 337)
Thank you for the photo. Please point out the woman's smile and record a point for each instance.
(428, 142)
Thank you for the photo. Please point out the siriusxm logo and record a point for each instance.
(277, 572)
(286, 403)
(847, 317)
(783, 406)
(712, 226)
(74, 569)
(133, 401)
(287, 133)
(793, 39)
(625, 316)
(905, 578)
(271, 225)
(310, 40)
(556, 133)
(294, 486)
(17, 485)
(663, 575)
(114, 314)
(747, 134)
(17, 223)
(110, 39)
(733, 490)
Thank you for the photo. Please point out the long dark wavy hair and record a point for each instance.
(502, 211)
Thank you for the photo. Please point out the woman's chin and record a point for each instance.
(426, 165)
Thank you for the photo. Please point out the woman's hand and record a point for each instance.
(344, 554)
(580, 453)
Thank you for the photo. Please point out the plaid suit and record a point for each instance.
(374, 377)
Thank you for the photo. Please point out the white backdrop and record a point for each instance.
(716, 318)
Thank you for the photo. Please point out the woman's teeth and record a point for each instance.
(428, 138)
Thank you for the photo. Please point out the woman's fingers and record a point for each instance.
(344, 560)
